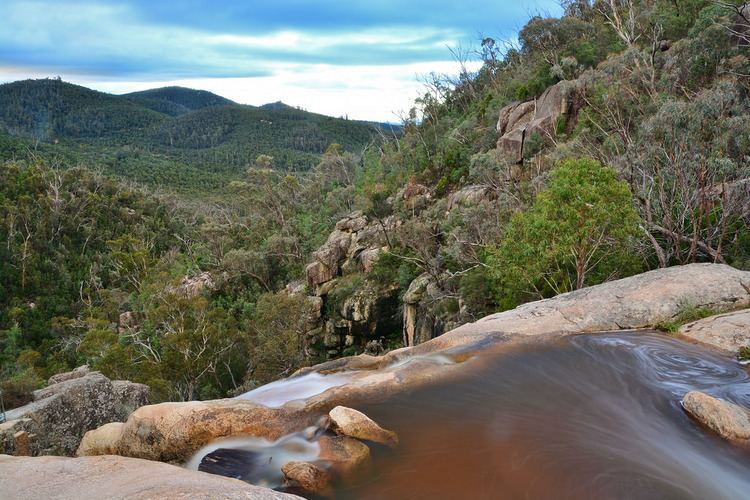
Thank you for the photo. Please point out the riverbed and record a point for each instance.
(584, 417)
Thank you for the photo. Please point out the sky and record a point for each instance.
(361, 59)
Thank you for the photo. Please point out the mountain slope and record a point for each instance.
(49, 109)
(175, 137)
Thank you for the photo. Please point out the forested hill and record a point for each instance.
(174, 137)
(50, 109)
(175, 101)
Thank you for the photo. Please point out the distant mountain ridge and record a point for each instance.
(175, 101)
(172, 134)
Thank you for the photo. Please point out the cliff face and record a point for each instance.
(349, 313)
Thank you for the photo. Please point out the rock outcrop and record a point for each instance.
(192, 286)
(63, 412)
(353, 236)
(173, 431)
(729, 332)
(520, 121)
(469, 196)
(79, 372)
(355, 424)
(345, 316)
(117, 478)
(640, 301)
(728, 420)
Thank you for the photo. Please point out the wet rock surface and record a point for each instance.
(345, 454)
(307, 477)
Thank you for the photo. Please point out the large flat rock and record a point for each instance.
(113, 477)
(637, 302)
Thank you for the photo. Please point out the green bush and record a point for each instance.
(579, 232)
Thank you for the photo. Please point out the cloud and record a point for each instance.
(256, 41)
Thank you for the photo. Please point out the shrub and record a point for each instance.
(17, 390)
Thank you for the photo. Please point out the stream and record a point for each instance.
(584, 417)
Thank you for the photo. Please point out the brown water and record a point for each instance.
(585, 417)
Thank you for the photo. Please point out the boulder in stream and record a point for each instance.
(728, 420)
(306, 477)
(345, 454)
(353, 423)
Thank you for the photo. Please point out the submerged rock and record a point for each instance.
(345, 454)
(353, 423)
(117, 478)
(307, 477)
(63, 412)
(728, 420)
(729, 332)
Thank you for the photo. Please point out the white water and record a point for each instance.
(281, 392)
(261, 459)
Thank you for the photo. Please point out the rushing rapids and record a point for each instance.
(588, 416)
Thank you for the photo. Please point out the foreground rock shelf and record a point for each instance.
(174, 431)
(115, 478)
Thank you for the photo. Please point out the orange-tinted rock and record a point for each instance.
(306, 477)
(728, 420)
(353, 423)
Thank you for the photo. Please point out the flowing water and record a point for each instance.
(280, 392)
(584, 417)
